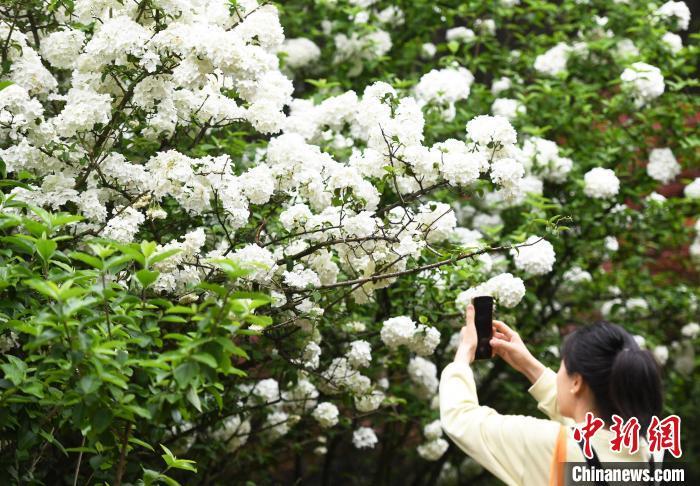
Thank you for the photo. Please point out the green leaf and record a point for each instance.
(89, 384)
(15, 370)
(162, 256)
(185, 373)
(207, 359)
(143, 444)
(90, 260)
(193, 398)
(101, 419)
(45, 248)
(147, 277)
(176, 463)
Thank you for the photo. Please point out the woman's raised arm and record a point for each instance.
(515, 448)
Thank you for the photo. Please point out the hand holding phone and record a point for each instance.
(483, 319)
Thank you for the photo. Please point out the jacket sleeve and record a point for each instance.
(544, 390)
(511, 447)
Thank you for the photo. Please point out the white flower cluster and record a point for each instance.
(364, 438)
(535, 257)
(663, 166)
(300, 52)
(692, 190)
(401, 330)
(601, 183)
(676, 12)
(506, 289)
(435, 446)
(444, 87)
(695, 246)
(554, 61)
(507, 108)
(643, 81)
(672, 42)
(326, 414)
(423, 374)
(360, 354)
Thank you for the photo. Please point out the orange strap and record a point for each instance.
(556, 472)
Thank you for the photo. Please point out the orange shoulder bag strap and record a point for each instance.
(556, 471)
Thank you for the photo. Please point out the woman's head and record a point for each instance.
(604, 365)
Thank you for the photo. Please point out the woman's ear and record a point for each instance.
(576, 384)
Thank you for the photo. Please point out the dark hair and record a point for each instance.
(625, 379)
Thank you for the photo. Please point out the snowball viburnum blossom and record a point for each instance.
(662, 165)
(643, 81)
(692, 190)
(364, 438)
(489, 131)
(601, 183)
(536, 257)
(326, 414)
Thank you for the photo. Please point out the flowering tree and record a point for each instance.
(229, 253)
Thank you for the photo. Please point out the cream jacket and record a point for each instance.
(517, 449)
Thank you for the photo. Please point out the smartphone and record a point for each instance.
(483, 318)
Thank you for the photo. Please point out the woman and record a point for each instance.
(603, 371)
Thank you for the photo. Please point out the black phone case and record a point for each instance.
(483, 318)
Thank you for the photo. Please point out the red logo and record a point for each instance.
(626, 433)
(665, 434)
(586, 432)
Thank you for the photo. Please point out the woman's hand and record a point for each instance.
(468, 338)
(507, 344)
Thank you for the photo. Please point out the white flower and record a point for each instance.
(640, 340)
(643, 81)
(360, 354)
(437, 220)
(485, 130)
(302, 279)
(601, 183)
(311, 355)
(611, 243)
(459, 34)
(61, 48)
(672, 42)
(691, 330)
(692, 190)
(626, 49)
(500, 84)
(257, 259)
(397, 331)
(424, 374)
(363, 438)
(234, 432)
(662, 165)
(433, 430)
(636, 303)
(536, 258)
(424, 341)
(661, 354)
(676, 11)
(326, 414)
(433, 450)
(444, 85)
(508, 108)
(576, 275)
(505, 288)
(554, 60)
(300, 52)
(428, 50)
(370, 401)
